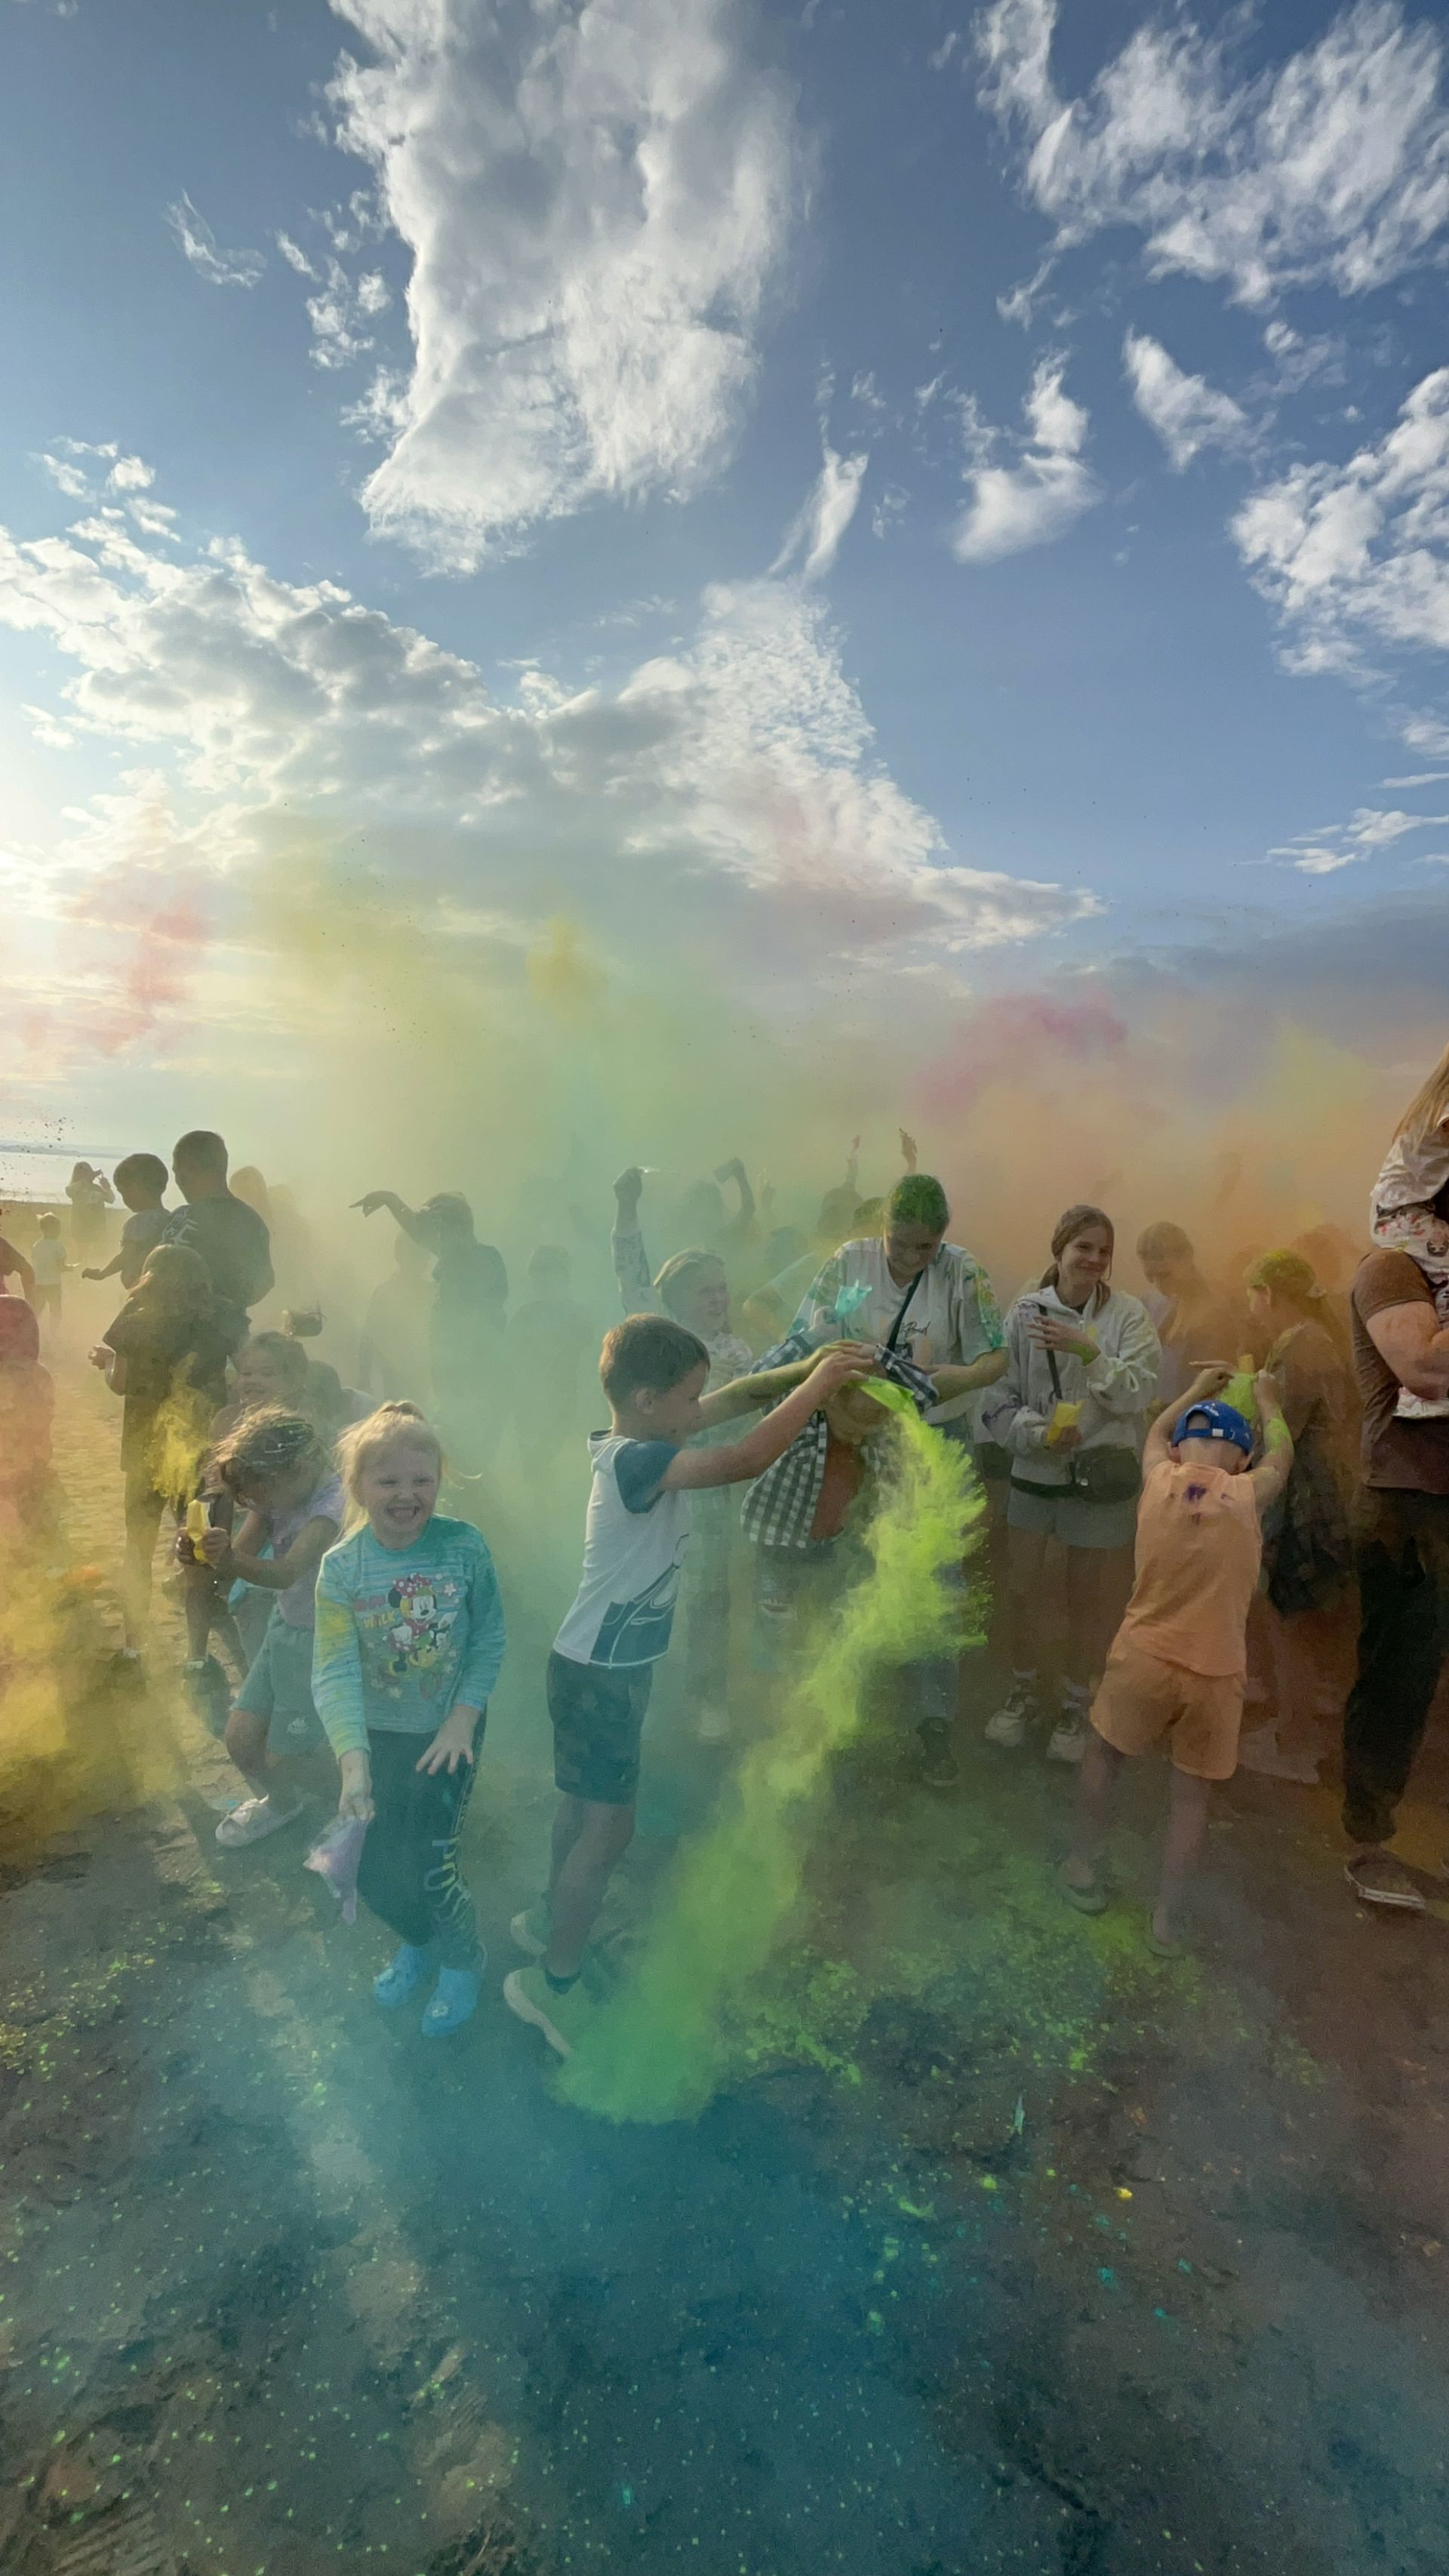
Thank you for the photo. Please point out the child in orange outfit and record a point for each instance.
(1177, 1667)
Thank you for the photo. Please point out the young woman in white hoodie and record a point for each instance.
(1072, 1411)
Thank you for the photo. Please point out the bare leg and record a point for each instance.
(143, 1519)
(602, 1837)
(1026, 1556)
(1099, 1580)
(246, 1742)
(1181, 1852)
(1096, 1782)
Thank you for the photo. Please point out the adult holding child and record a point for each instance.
(228, 1235)
(1072, 1409)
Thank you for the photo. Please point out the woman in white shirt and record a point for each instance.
(909, 1286)
(1072, 1410)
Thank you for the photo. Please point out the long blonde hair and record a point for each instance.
(1430, 1106)
(393, 1426)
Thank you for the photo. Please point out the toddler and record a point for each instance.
(277, 1469)
(1402, 1216)
(409, 1645)
(48, 1261)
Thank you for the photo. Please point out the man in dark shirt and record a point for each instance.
(1403, 1560)
(465, 1328)
(230, 1236)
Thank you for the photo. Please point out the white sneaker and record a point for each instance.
(1068, 1738)
(1008, 1727)
(1260, 1753)
(1420, 1408)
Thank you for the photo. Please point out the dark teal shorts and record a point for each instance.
(598, 1720)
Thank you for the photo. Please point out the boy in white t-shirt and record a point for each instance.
(599, 1674)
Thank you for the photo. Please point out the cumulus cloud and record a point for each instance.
(730, 789)
(815, 535)
(1332, 169)
(1357, 555)
(197, 240)
(1187, 412)
(594, 200)
(1039, 495)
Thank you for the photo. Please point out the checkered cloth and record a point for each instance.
(779, 1507)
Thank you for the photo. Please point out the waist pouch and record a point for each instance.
(1097, 1475)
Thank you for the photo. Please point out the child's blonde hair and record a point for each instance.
(1430, 1106)
(393, 1426)
(175, 1282)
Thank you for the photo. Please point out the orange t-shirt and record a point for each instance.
(1199, 1548)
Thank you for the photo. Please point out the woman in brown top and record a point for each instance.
(1307, 1560)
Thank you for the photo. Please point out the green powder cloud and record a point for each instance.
(659, 2046)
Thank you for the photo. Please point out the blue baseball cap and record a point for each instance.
(1224, 1422)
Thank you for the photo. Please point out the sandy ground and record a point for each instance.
(1006, 2247)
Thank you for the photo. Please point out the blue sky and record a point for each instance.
(1090, 354)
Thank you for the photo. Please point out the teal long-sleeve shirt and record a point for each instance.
(404, 1633)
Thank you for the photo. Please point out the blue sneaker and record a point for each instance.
(400, 1976)
(454, 2001)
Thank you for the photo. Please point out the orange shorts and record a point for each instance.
(1140, 1700)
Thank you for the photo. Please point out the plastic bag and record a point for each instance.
(334, 1856)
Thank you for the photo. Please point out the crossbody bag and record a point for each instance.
(1096, 1475)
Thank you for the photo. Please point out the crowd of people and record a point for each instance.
(1217, 1496)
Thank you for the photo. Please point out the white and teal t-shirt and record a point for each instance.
(635, 1535)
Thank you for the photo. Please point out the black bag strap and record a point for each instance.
(893, 1336)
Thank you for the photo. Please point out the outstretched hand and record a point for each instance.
(629, 1187)
(374, 1200)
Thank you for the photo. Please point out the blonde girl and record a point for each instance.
(409, 1644)
(1405, 1216)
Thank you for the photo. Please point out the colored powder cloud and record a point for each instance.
(660, 2046)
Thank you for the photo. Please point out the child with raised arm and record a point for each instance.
(409, 1645)
(141, 1183)
(276, 1467)
(1177, 1667)
(654, 1374)
(693, 1288)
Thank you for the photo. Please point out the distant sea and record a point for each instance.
(39, 1173)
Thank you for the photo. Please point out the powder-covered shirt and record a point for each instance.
(1199, 1548)
(298, 1604)
(47, 1260)
(1415, 1170)
(952, 1318)
(635, 1536)
(404, 1633)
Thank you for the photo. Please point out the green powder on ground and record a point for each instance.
(658, 2046)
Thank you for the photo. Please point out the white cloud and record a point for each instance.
(198, 241)
(1421, 778)
(1359, 552)
(1369, 829)
(1187, 412)
(1331, 169)
(732, 785)
(1037, 498)
(594, 201)
(77, 477)
(816, 533)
